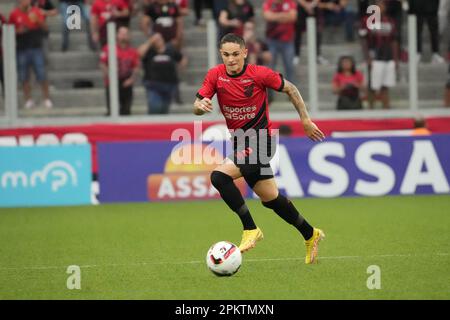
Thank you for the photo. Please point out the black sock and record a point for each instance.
(246, 218)
(232, 197)
(286, 210)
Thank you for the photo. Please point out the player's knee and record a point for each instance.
(275, 203)
(220, 179)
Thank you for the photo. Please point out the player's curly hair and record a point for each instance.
(233, 38)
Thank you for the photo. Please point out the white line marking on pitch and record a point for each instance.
(246, 260)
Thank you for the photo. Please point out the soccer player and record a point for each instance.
(241, 90)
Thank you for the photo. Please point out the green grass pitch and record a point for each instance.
(157, 251)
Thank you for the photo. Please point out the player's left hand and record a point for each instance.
(312, 131)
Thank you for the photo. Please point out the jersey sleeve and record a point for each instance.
(122, 5)
(12, 18)
(95, 9)
(208, 88)
(270, 78)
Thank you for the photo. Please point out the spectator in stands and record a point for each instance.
(125, 20)
(394, 9)
(160, 60)
(163, 17)
(362, 8)
(336, 12)
(305, 9)
(427, 11)
(49, 10)
(348, 84)
(233, 18)
(30, 25)
(258, 51)
(183, 6)
(84, 11)
(280, 16)
(443, 12)
(198, 7)
(2, 22)
(184, 11)
(102, 12)
(128, 69)
(381, 51)
(217, 6)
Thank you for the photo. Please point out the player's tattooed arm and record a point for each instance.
(202, 106)
(311, 129)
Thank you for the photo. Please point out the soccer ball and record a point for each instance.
(223, 258)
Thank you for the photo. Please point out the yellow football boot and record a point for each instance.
(249, 239)
(312, 246)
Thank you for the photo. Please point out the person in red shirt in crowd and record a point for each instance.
(125, 21)
(348, 84)
(280, 16)
(233, 18)
(241, 91)
(163, 17)
(30, 28)
(2, 22)
(128, 68)
(102, 12)
(49, 10)
(183, 6)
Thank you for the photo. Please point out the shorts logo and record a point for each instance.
(244, 153)
(248, 90)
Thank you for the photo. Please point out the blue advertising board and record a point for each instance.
(152, 171)
(45, 175)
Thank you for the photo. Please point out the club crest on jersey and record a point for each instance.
(248, 90)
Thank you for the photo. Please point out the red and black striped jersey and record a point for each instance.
(242, 97)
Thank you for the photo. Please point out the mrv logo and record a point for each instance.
(45, 175)
(57, 174)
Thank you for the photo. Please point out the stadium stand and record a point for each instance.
(79, 64)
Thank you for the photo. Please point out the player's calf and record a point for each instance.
(286, 210)
(232, 197)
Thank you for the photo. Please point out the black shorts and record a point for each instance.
(252, 153)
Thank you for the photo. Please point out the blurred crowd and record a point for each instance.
(161, 57)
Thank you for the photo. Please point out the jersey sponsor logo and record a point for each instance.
(224, 79)
(239, 113)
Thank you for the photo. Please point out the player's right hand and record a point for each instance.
(312, 131)
(204, 105)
